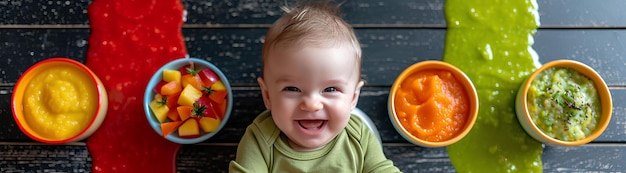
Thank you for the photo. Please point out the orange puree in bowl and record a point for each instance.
(60, 101)
(432, 105)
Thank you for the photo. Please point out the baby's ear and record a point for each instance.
(357, 92)
(264, 92)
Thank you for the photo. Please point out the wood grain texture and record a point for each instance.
(381, 13)
(394, 34)
(386, 52)
(31, 157)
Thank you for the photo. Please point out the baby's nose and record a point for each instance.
(311, 103)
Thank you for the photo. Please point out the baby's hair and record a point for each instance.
(312, 23)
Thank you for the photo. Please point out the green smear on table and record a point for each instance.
(490, 40)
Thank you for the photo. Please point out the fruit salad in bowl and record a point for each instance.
(188, 100)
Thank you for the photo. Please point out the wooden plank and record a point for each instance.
(215, 158)
(377, 13)
(31, 157)
(373, 101)
(582, 13)
(386, 52)
(586, 158)
(21, 48)
(604, 50)
(27, 12)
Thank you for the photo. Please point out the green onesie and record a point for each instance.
(264, 148)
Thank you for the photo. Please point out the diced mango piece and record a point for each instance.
(209, 124)
(172, 115)
(172, 101)
(171, 75)
(189, 128)
(218, 86)
(189, 95)
(218, 96)
(160, 110)
(171, 88)
(184, 112)
(192, 80)
(169, 127)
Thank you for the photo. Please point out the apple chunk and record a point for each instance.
(189, 128)
(208, 77)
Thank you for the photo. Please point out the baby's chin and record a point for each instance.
(308, 146)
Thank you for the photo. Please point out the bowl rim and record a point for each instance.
(24, 79)
(156, 77)
(601, 87)
(461, 78)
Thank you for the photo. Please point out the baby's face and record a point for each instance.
(310, 92)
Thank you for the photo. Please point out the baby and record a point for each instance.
(311, 82)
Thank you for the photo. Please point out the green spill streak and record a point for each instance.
(490, 40)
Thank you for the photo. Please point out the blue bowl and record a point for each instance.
(157, 77)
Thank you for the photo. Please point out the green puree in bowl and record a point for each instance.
(564, 103)
(490, 40)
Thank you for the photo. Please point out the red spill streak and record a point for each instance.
(129, 41)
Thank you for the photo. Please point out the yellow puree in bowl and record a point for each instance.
(490, 40)
(59, 102)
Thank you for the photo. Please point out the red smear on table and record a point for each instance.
(129, 41)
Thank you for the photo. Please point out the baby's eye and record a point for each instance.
(330, 89)
(291, 88)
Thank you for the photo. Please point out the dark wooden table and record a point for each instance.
(394, 35)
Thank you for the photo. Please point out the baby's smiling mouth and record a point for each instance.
(312, 124)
